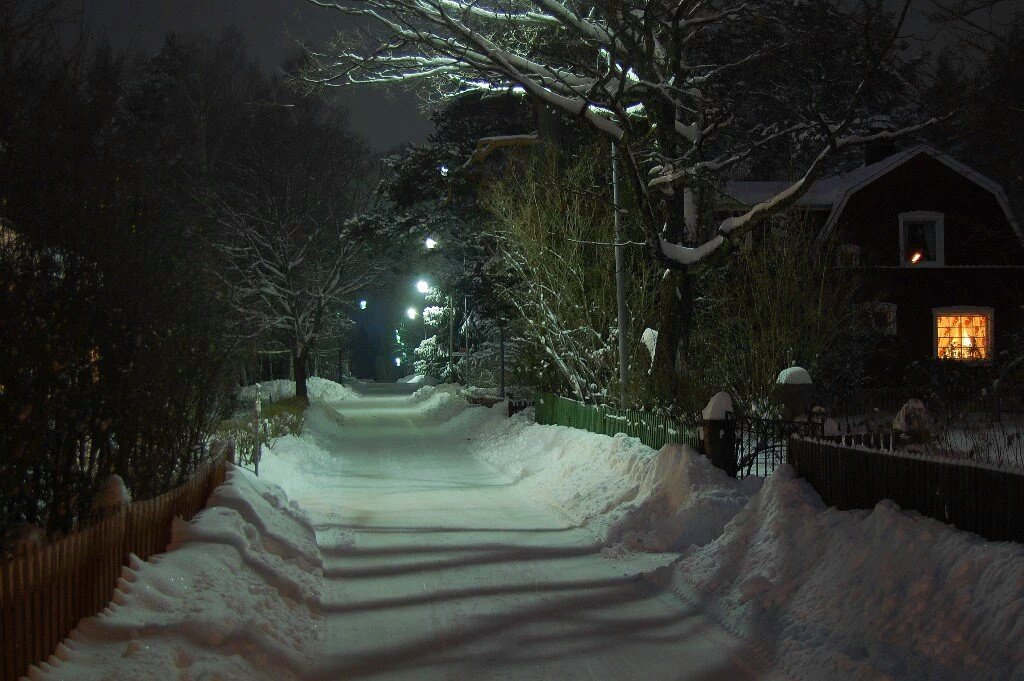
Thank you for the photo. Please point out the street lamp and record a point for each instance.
(411, 313)
(362, 304)
(430, 244)
(422, 286)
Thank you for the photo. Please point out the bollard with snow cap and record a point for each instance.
(795, 391)
(719, 434)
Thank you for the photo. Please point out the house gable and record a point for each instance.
(977, 227)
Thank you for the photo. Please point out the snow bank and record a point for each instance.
(320, 390)
(440, 402)
(878, 594)
(235, 597)
(631, 495)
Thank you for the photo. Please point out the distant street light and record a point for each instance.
(422, 286)
(362, 304)
(411, 313)
(398, 361)
(430, 243)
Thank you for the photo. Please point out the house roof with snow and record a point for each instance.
(831, 194)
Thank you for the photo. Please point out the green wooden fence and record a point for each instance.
(654, 430)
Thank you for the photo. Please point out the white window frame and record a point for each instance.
(940, 237)
(989, 313)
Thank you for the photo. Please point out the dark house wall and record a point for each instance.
(976, 229)
(977, 233)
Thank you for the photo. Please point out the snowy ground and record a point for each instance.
(430, 539)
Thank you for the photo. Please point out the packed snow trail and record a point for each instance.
(454, 573)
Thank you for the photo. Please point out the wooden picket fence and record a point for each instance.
(44, 593)
(654, 430)
(972, 497)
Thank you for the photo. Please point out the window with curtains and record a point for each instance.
(963, 333)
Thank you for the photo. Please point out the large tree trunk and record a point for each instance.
(675, 316)
(299, 361)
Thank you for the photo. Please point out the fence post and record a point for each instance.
(256, 451)
(720, 434)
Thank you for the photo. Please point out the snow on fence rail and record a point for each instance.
(46, 591)
(970, 496)
(654, 430)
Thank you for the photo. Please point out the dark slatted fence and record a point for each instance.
(972, 497)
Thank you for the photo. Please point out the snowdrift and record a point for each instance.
(320, 390)
(879, 594)
(634, 497)
(440, 403)
(235, 596)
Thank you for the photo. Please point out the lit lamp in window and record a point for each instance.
(921, 239)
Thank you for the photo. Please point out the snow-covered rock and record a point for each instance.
(912, 416)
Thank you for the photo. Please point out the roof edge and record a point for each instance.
(902, 157)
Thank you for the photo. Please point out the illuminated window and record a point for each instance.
(963, 333)
(921, 239)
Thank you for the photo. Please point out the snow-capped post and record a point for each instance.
(223, 448)
(720, 434)
(112, 496)
(795, 391)
(257, 409)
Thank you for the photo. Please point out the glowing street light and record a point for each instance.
(411, 313)
(398, 361)
(362, 304)
(422, 286)
(430, 243)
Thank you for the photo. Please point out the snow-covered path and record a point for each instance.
(456, 574)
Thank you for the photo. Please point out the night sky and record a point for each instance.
(385, 117)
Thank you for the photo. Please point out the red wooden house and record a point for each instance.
(937, 241)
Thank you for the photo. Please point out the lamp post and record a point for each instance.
(620, 271)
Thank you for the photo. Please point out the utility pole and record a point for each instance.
(451, 339)
(620, 271)
(501, 359)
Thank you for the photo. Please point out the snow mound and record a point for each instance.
(879, 594)
(625, 491)
(686, 501)
(321, 390)
(441, 402)
(412, 378)
(234, 597)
